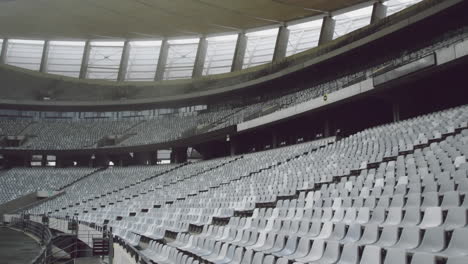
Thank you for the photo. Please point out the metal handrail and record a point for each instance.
(38, 230)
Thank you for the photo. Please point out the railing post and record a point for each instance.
(111, 247)
(42, 235)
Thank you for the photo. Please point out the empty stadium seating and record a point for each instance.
(389, 194)
(20, 181)
(85, 134)
(383, 179)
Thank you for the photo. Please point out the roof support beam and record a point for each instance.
(3, 55)
(124, 62)
(45, 57)
(239, 53)
(281, 45)
(161, 68)
(379, 11)
(200, 58)
(327, 31)
(85, 60)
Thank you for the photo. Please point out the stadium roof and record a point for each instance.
(89, 19)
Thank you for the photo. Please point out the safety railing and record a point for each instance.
(70, 237)
(38, 230)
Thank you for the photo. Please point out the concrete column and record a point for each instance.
(200, 58)
(58, 162)
(3, 55)
(233, 146)
(327, 31)
(45, 57)
(44, 160)
(143, 158)
(27, 161)
(124, 62)
(120, 161)
(173, 156)
(63, 162)
(281, 45)
(239, 52)
(179, 155)
(379, 11)
(274, 139)
(396, 112)
(85, 60)
(326, 128)
(162, 61)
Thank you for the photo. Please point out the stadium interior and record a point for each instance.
(234, 132)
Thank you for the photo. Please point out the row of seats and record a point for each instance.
(395, 191)
(17, 182)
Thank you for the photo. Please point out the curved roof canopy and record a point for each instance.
(91, 19)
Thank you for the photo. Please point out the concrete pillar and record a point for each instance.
(179, 155)
(274, 139)
(233, 146)
(44, 160)
(45, 57)
(154, 157)
(161, 68)
(200, 58)
(85, 60)
(239, 52)
(326, 128)
(27, 162)
(379, 11)
(281, 45)
(120, 161)
(143, 158)
(173, 157)
(63, 161)
(58, 162)
(124, 62)
(3, 55)
(327, 31)
(396, 112)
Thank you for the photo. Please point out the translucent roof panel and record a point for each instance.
(350, 21)
(180, 59)
(219, 54)
(104, 60)
(143, 60)
(260, 47)
(394, 6)
(65, 57)
(303, 36)
(25, 53)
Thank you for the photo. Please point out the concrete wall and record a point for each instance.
(314, 104)
(452, 52)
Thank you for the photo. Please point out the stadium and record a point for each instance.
(233, 132)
